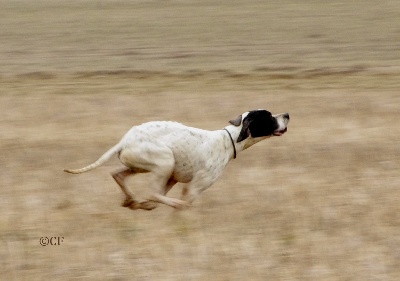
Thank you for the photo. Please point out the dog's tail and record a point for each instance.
(104, 158)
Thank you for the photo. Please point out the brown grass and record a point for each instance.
(320, 203)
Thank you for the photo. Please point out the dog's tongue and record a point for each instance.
(280, 133)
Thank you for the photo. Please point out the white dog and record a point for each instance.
(173, 153)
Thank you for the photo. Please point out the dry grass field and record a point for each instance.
(321, 202)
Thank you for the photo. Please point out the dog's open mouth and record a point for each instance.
(280, 133)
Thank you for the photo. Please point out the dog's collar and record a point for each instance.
(233, 143)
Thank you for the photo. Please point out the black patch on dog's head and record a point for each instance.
(258, 123)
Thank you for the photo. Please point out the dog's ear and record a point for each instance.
(245, 132)
(236, 122)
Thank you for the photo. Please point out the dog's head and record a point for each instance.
(260, 123)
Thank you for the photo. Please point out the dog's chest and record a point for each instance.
(195, 151)
(191, 162)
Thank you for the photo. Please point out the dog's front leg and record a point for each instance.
(199, 183)
(161, 189)
(148, 204)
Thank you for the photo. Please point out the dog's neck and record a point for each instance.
(234, 132)
(233, 143)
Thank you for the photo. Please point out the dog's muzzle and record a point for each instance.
(283, 120)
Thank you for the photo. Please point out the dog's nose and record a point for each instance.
(286, 116)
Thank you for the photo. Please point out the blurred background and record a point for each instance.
(321, 202)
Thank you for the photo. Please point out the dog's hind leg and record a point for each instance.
(162, 181)
(119, 177)
(130, 201)
(158, 160)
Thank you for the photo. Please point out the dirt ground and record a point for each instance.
(321, 202)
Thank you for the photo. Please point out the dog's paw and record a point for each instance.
(148, 205)
(128, 202)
